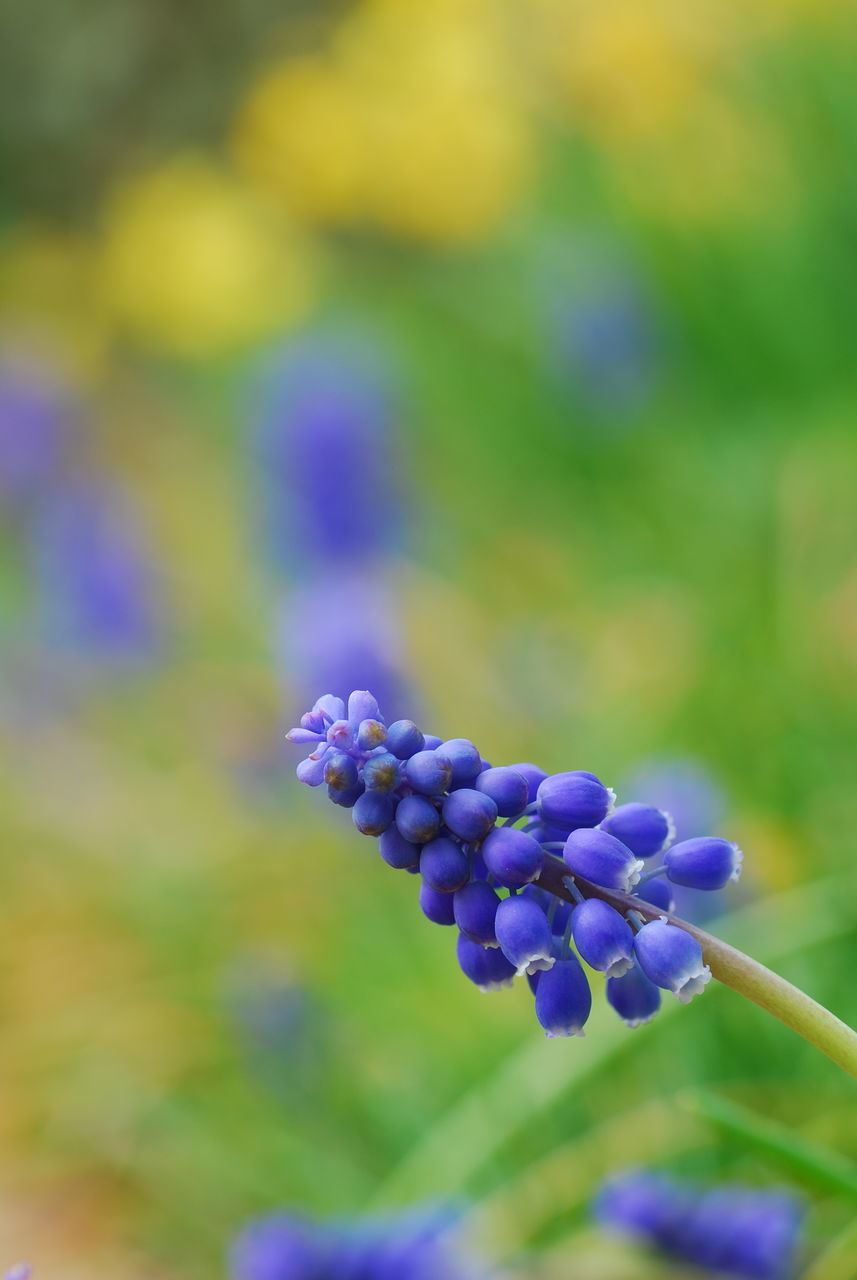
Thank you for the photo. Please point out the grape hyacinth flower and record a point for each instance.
(483, 840)
(642, 828)
(603, 937)
(703, 863)
(37, 423)
(95, 577)
(413, 1246)
(672, 959)
(598, 856)
(736, 1231)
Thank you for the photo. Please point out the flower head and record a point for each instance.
(440, 810)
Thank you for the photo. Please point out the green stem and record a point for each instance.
(815, 1024)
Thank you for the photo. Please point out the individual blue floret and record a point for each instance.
(475, 908)
(645, 830)
(706, 862)
(601, 858)
(524, 934)
(603, 937)
(572, 800)
(487, 967)
(635, 998)
(563, 998)
(672, 959)
(513, 857)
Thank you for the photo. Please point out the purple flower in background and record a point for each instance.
(339, 630)
(325, 471)
(325, 455)
(604, 344)
(93, 576)
(36, 422)
(21, 1271)
(413, 1246)
(683, 788)
(728, 1231)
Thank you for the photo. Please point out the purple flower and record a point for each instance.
(418, 800)
(326, 462)
(729, 1231)
(411, 1246)
(705, 862)
(36, 425)
(672, 959)
(94, 576)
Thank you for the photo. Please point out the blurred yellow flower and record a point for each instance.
(412, 123)
(194, 263)
(627, 70)
(48, 298)
(301, 136)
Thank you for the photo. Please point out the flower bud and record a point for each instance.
(573, 800)
(475, 908)
(563, 999)
(417, 819)
(524, 934)
(645, 830)
(634, 997)
(601, 858)
(382, 773)
(340, 771)
(534, 776)
(396, 850)
(469, 813)
(658, 892)
(373, 813)
(512, 857)
(507, 789)
(404, 739)
(429, 772)
(464, 758)
(437, 907)
(487, 967)
(671, 958)
(370, 734)
(706, 862)
(444, 865)
(603, 938)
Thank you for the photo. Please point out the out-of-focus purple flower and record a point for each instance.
(21, 1271)
(729, 1231)
(94, 577)
(339, 630)
(604, 345)
(683, 788)
(326, 456)
(36, 423)
(413, 1246)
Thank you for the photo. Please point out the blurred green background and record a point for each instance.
(605, 255)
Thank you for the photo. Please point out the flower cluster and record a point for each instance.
(480, 837)
(410, 1247)
(731, 1230)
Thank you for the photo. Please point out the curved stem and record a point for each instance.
(765, 988)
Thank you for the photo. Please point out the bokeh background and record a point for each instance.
(502, 355)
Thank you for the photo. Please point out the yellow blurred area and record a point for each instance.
(193, 262)
(628, 71)
(411, 123)
(48, 300)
